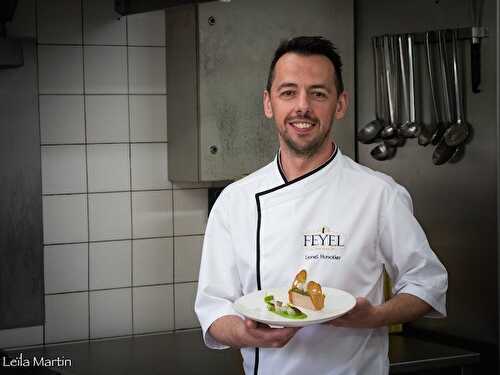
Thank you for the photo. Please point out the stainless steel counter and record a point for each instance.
(184, 353)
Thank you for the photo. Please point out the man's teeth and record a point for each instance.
(302, 125)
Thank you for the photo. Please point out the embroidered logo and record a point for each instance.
(324, 239)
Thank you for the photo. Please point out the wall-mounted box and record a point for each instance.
(218, 56)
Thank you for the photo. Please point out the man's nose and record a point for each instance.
(303, 104)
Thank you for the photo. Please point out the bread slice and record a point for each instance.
(311, 298)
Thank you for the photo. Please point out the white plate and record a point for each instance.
(252, 306)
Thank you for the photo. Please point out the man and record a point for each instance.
(261, 229)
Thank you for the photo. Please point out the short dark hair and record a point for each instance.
(309, 45)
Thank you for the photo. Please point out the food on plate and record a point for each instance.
(305, 295)
(283, 309)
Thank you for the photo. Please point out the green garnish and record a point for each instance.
(286, 311)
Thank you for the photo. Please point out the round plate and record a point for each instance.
(252, 306)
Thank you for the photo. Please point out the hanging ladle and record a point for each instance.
(370, 131)
(427, 132)
(459, 131)
(409, 129)
(384, 151)
(443, 61)
(390, 130)
(443, 152)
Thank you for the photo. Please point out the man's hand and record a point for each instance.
(363, 315)
(401, 308)
(233, 331)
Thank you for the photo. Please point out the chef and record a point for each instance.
(314, 208)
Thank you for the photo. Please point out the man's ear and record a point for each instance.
(268, 109)
(342, 105)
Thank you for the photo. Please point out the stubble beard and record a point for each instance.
(308, 150)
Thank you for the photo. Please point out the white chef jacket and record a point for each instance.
(344, 224)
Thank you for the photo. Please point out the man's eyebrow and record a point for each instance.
(323, 87)
(286, 85)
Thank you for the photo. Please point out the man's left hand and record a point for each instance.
(363, 315)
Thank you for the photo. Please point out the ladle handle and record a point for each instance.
(387, 64)
(431, 76)
(411, 66)
(376, 63)
(402, 65)
(443, 60)
(456, 81)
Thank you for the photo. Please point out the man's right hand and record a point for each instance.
(238, 333)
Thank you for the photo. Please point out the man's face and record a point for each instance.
(303, 102)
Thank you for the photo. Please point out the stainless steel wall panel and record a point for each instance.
(182, 92)
(235, 45)
(455, 203)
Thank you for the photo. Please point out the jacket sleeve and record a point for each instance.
(218, 282)
(408, 259)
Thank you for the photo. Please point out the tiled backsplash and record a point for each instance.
(122, 244)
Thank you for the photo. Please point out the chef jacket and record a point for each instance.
(342, 222)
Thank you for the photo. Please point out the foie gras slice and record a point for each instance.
(311, 297)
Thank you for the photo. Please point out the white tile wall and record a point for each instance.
(62, 119)
(190, 211)
(66, 317)
(187, 258)
(110, 303)
(147, 29)
(147, 70)
(105, 69)
(149, 166)
(152, 213)
(65, 219)
(66, 268)
(107, 118)
(185, 295)
(102, 25)
(60, 69)
(153, 261)
(108, 167)
(109, 216)
(59, 21)
(104, 155)
(153, 308)
(63, 169)
(148, 118)
(110, 264)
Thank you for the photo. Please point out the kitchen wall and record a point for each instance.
(122, 244)
(456, 203)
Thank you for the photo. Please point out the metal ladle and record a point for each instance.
(427, 132)
(370, 131)
(410, 129)
(443, 60)
(459, 131)
(443, 152)
(390, 130)
(384, 151)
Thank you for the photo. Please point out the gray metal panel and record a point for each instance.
(182, 92)
(455, 203)
(235, 54)
(21, 250)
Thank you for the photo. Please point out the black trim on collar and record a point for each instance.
(259, 222)
(282, 173)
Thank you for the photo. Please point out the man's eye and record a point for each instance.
(319, 94)
(287, 93)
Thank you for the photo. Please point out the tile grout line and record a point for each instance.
(132, 325)
(122, 287)
(86, 169)
(41, 172)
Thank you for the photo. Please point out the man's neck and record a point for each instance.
(294, 166)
